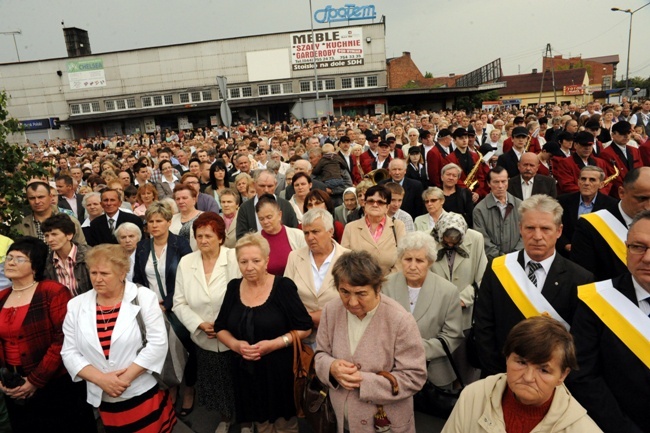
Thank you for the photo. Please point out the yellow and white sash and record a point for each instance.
(524, 294)
(611, 229)
(620, 315)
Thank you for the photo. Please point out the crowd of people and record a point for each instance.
(516, 239)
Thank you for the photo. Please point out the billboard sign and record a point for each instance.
(574, 89)
(331, 48)
(86, 74)
(349, 12)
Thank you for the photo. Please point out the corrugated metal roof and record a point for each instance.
(531, 83)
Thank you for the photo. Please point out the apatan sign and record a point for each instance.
(330, 48)
(86, 74)
(349, 12)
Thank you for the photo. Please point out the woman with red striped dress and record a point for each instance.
(103, 346)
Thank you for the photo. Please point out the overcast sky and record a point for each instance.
(443, 36)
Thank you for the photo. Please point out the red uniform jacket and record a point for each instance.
(480, 174)
(611, 154)
(533, 147)
(567, 172)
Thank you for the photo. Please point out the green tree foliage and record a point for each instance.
(16, 171)
(428, 75)
(469, 103)
(640, 82)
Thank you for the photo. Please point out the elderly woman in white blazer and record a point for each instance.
(201, 280)
(117, 368)
(315, 288)
(433, 302)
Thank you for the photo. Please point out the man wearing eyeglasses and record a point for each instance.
(611, 330)
(598, 243)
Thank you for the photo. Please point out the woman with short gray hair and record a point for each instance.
(128, 235)
(434, 199)
(433, 302)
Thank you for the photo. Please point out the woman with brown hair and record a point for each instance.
(186, 198)
(146, 195)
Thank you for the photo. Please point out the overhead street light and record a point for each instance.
(13, 34)
(629, 41)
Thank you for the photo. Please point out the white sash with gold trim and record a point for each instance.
(624, 318)
(611, 229)
(524, 294)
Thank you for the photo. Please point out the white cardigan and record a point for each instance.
(81, 345)
(197, 300)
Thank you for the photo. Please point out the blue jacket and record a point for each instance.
(177, 247)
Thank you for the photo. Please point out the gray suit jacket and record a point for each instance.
(246, 221)
(438, 314)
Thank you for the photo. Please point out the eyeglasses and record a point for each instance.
(372, 201)
(431, 200)
(634, 249)
(191, 183)
(18, 260)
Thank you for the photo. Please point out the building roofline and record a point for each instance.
(381, 23)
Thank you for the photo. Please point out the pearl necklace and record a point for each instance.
(22, 289)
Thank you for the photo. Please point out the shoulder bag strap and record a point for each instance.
(394, 232)
(140, 320)
(451, 361)
(155, 267)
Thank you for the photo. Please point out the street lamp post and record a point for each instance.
(629, 41)
(13, 34)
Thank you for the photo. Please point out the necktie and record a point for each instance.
(111, 225)
(532, 267)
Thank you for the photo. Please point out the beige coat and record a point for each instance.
(437, 313)
(356, 236)
(466, 271)
(197, 300)
(300, 271)
(231, 234)
(386, 345)
(479, 410)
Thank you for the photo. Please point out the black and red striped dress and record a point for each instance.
(151, 412)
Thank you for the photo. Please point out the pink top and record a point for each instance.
(11, 320)
(280, 249)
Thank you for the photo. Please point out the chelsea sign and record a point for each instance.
(349, 12)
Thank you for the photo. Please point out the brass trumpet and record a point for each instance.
(377, 175)
(612, 177)
(528, 143)
(470, 180)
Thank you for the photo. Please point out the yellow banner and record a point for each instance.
(613, 240)
(513, 288)
(623, 320)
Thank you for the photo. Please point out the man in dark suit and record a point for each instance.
(102, 228)
(528, 182)
(247, 221)
(349, 159)
(612, 383)
(590, 247)
(510, 159)
(412, 202)
(586, 200)
(496, 312)
(68, 199)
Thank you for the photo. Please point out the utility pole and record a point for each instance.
(548, 53)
